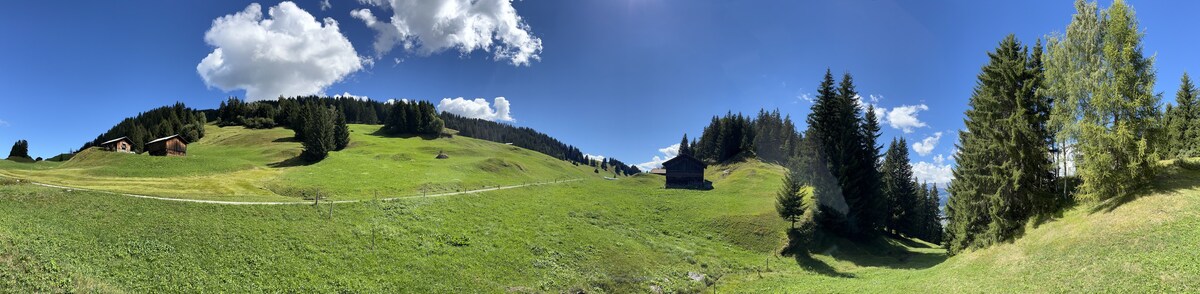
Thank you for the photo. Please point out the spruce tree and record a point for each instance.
(898, 188)
(1182, 120)
(20, 149)
(318, 132)
(1004, 173)
(789, 202)
(683, 146)
(341, 132)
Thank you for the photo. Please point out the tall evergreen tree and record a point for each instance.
(341, 132)
(20, 149)
(1004, 174)
(1182, 121)
(683, 146)
(836, 123)
(898, 187)
(318, 132)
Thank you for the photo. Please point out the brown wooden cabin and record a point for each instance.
(686, 172)
(172, 145)
(122, 144)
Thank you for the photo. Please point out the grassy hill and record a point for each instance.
(600, 235)
(233, 163)
(1146, 244)
(625, 235)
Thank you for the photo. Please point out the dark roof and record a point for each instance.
(684, 157)
(167, 138)
(114, 140)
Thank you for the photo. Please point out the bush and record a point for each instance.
(259, 123)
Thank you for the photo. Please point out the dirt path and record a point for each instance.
(302, 202)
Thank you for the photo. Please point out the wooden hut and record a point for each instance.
(122, 144)
(686, 172)
(172, 145)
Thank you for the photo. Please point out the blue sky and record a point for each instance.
(620, 78)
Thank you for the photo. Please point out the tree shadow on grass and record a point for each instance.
(885, 252)
(285, 140)
(291, 162)
(798, 248)
(1181, 175)
(381, 133)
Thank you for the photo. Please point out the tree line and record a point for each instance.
(838, 179)
(527, 138)
(156, 123)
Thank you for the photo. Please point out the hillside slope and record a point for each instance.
(1147, 244)
(234, 163)
(624, 235)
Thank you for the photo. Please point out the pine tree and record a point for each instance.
(898, 187)
(341, 133)
(1004, 173)
(20, 149)
(318, 132)
(934, 222)
(873, 203)
(683, 146)
(1182, 124)
(789, 202)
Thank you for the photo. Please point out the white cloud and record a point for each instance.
(393, 101)
(432, 26)
(4, 123)
(667, 153)
(926, 146)
(325, 5)
(595, 157)
(351, 96)
(880, 112)
(905, 117)
(938, 171)
(477, 108)
(288, 54)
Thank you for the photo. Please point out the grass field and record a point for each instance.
(625, 235)
(237, 164)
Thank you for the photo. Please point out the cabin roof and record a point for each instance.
(167, 138)
(682, 157)
(114, 140)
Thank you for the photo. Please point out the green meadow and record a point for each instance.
(238, 164)
(593, 235)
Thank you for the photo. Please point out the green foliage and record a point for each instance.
(1004, 174)
(899, 190)
(790, 200)
(1101, 84)
(318, 126)
(20, 149)
(413, 118)
(1182, 122)
(848, 140)
(341, 133)
(156, 123)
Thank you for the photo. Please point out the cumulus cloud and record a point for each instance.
(288, 54)
(904, 117)
(595, 157)
(432, 26)
(325, 5)
(351, 96)
(938, 171)
(477, 108)
(666, 152)
(924, 147)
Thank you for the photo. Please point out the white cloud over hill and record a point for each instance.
(477, 108)
(432, 26)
